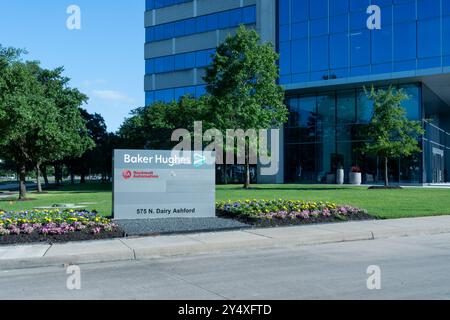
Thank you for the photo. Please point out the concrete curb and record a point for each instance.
(129, 249)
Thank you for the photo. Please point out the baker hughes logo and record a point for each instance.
(199, 160)
(128, 174)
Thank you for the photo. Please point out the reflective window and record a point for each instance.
(326, 132)
(220, 20)
(169, 95)
(156, 4)
(329, 39)
(183, 61)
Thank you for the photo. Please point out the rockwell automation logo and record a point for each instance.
(127, 174)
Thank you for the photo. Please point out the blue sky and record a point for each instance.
(105, 59)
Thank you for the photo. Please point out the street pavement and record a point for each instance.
(411, 268)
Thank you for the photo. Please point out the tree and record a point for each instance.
(242, 82)
(39, 116)
(390, 133)
(151, 127)
(90, 162)
(66, 133)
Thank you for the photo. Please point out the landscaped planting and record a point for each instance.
(54, 226)
(288, 212)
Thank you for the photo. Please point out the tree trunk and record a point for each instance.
(58, 175)
(22, 182)
(83, 178)
(224, 174)
(44, 174)
(247, 176)
(247, 170)
(38, 178)
(386, 172)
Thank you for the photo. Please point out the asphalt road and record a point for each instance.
(411, 268)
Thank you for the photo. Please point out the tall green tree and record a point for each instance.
(390, 133)
(242, 82)
(66, 133)
(39, 116)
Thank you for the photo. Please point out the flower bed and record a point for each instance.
(268, 213)
(54, 226)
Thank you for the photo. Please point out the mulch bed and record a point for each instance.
(270, 223)
(36, 238)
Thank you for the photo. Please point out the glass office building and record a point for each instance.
(329, 50)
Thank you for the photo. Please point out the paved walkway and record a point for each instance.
(15, 186)
(26, 256)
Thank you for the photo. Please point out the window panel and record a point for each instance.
(339, 24)
(285, 58)
(300, 57)
(382, 45)
(319, 53)
(339, 56)
(300, 10)
(318, 9)
(405, 12)
(299, 30)
(446, 7)
(446, 35)
(318, 27)
(405, 41)
(360, 48)
(428, 8)
(429, 38)
(339, 7)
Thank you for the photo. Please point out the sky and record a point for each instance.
(104, 59)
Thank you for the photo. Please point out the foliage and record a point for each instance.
(390, 133)
(242, 82)
(98, 159)
(151, 127)
(39, 116)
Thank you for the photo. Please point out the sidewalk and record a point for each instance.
(40, 255)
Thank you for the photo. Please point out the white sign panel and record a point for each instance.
(152, 184)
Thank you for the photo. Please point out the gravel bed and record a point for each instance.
(178, 225)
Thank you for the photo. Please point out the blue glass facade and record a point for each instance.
(326, 131)
(183, 62)
(329, 51)
(322, 40)
(178, 62)
(157, 4)
(215, 21)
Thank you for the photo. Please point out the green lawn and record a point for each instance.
(409, 202)
(97, 193)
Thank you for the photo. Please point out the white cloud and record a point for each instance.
(112, 95)
(91, 83)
